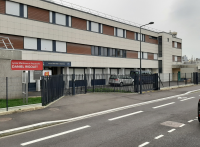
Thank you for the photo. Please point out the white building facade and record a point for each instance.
(45, 31)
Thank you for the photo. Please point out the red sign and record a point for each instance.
(26, 65)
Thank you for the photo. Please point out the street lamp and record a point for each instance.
(141, 56)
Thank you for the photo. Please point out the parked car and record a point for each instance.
(198, 110)
(121, 80)
(147, 77)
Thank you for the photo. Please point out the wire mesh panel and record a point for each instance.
(2, 92)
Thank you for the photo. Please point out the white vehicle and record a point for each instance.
(121, 80)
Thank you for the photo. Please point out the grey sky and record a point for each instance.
(176, 15)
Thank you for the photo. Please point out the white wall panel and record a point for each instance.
(120, 33)
(46, 45)
(94, 27)
(60, 19)
(61, 46)
(25, 11)
(12, 8)
(30, 43)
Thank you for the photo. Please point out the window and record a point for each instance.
(155, 56)
(105, 51)
(138, 55)
(46, 45)
(94, 27)
(61, 46)
(124, 54)
(113, 52)
(12, 8)
(152, 37)
(137, 37)
(175, 58)
(160, 46)
(30, 43)
(175, 44)
(120, 32)
(95, 50)
(60, 19)
(144, 55)
(168, 39)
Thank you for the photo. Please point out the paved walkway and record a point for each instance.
(73, 106)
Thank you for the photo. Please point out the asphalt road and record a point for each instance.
(168, 123)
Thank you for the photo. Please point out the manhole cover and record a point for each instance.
(171, 124)
(5, 119)
(54, 109)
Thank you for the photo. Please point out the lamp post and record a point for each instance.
(141, 56)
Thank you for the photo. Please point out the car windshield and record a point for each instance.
(113, 77)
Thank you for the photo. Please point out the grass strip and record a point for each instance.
(19, 102)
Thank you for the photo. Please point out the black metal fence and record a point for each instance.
(53, 87)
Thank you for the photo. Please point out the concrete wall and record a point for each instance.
(14, 81)
(14, 77)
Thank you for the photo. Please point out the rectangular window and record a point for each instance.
(95, 50)
(137, 37)
(144, 55)
(114, 53)
(124, 54)
(160, 46)
(25, 11)
(111, 52)
(50, 16)
(155, 56)
(30, 43)
(175, 44)
(139, 55)
(94, 27)
(60, 19)
(168, 39)
(175, 58)
(12, 8)
(120, 32)
(105, 51)
(61, 46)
(46, 45)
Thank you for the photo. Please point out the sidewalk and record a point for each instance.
(74, 106)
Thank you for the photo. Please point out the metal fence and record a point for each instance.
(12, 91)
(175, 79)
(53, 87)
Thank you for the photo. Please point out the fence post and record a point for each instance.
(85, 83)
(159, 82)
(169, 79)
(43, 91)
(7, 93)
(177, 80)
(26, 87)
(73, 84)
(185, 79)
(93, 79)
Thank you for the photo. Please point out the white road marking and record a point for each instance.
(190, 121)
(125, 115)
(52, 136)
(53, 123)
(143, 144)
(195, 119)
(187, 99)
(182, 97)
(172, 130)
(182, 125)
(159, 136)
(163, 105)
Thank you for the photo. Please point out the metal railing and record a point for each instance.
(100, 14)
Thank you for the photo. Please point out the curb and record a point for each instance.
(51, 123)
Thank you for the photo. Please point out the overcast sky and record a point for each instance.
(181, 16)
